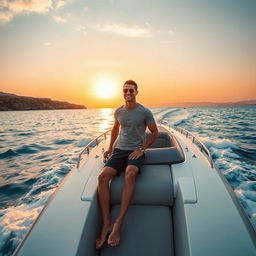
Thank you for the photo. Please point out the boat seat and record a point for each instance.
(161, 143)
(163, 140)
(164, 150)
(153, 186)
(147, 230)
(169, 155)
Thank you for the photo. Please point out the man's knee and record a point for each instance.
(131, 172)
(106, 175)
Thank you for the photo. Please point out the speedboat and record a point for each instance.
(182, 206)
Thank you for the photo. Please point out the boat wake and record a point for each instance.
(29, 197)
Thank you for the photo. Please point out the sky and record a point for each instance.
(82, 51)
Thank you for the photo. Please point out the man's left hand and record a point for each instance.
(135, 154)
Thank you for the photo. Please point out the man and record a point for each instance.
(133, 118)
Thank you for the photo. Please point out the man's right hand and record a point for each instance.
(107, 154)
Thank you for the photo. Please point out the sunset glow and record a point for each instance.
(82, 51)
(106, 87)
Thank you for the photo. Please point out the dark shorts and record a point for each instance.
(119, 160)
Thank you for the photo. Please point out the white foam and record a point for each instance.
(173, 116)
(218, 143)
(248, 201)
(15, 221)
(83, 142)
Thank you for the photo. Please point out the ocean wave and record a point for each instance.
(157, 111)
(174, 117)
(63, 141)
(227, 153)
(83, 142)
(248, 186)
(234, 168)
(246, 193)
(226, 149)
(8, 154)
(41, 147)
(9, 193)
(26, 134)
(26, 150)
(161, 115)
(179, 122)
(246, 154)
(219, 143)
(170, 113)
(235, 176)
(46, 160)
(16, 220)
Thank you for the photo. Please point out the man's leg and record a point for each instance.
(104, 198)
(128, 191)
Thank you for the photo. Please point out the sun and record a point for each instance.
(106, 86)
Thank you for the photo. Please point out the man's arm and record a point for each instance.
(153, 136)
(154, 133)
(114, 135)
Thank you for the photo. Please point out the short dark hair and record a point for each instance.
(133, 83)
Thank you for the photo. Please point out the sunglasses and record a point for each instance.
(130, 90)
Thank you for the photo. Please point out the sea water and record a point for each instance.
(38, 148)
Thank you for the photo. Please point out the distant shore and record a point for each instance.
(10, 102)
(206, 104)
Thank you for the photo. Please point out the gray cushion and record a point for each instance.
(168, 155)
(153, 186)
(164, 150)
(147, 230)
(164, 139)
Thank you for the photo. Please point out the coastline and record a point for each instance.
(13, 102)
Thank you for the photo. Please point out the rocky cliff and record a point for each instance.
(14, 102)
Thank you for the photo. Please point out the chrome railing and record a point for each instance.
(92, 144)
(196, 141)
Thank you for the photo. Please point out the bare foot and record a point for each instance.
(114, 237)
(106, 229)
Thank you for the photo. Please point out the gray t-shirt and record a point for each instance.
(133, 126)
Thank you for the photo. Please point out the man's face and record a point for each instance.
(129, 92)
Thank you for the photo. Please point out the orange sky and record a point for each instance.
(77, 51)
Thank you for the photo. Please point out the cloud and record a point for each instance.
(170, 32)
(124, 30)
(164, 32)
(59, 19)
(47, 44)
(19, 6)
(9, 9)
(60, 3)
(5, 17)
(80, 28)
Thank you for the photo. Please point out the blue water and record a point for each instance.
(38, 148)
